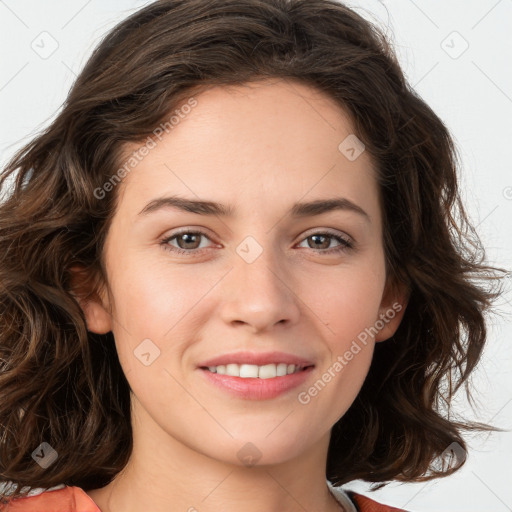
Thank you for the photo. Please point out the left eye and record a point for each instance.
(188, 242)
(317, 237)
(188, 238)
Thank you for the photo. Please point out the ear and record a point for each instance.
(95, 308)
(392, 309)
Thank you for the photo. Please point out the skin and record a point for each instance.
(259, 148)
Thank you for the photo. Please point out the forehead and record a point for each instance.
(278, 139)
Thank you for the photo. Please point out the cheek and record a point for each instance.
(348, 307)
(157, 303)
(347, 302)
(151, 298)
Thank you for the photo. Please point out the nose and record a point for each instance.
(260, 294)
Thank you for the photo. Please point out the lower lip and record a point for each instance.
(257, 389)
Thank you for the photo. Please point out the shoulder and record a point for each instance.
(61, 499)
(365, 504)
(354, 502)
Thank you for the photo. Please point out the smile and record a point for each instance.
(269, 385)
(253, 371)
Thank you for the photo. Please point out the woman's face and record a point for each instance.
(270, 282)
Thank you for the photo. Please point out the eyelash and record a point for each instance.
(345, 244)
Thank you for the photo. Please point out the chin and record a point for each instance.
(267, 447)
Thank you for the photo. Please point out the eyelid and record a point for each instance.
(346, 241)
(327, 231)
(193, 231)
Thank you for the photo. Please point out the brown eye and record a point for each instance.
(187, 242)
(322, 241)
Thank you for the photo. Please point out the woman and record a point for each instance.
(230, 277)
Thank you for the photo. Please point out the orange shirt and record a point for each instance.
(365, 504)
(67, 499)
(75, 499)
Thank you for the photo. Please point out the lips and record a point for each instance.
(259, 359)
(257, 389)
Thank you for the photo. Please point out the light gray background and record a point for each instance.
(469, 88)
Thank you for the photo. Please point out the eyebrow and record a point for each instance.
(202, 207)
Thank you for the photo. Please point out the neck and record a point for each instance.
(165, 475)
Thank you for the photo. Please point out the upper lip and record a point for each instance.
(258, 359)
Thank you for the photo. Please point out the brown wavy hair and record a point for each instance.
(63, 385)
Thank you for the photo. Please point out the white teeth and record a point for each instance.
(267, 371)
(281, 369)
(233, 370)
(247, 370)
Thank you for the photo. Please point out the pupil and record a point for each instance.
(315, 237)
(188, 238)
